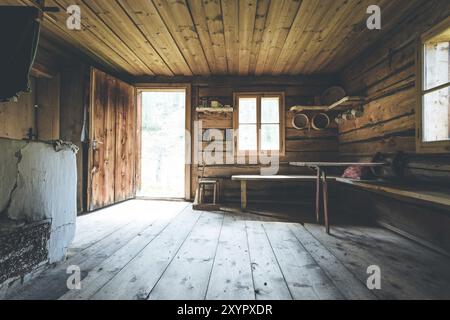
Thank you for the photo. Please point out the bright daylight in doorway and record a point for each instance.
(163, 144)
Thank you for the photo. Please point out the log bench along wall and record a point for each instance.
(418, 211)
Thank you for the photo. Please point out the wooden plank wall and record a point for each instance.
(386, 76)
(48, 102)
(17, 117)
(301, 145)
(73, 82)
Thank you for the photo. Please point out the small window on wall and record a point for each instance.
(434, 95)
(259, 123)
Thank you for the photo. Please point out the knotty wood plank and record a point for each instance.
(108, 269)
(393, 14)
(230, 18)
(270, 28)
(17, 117)
(231, 276)
(285, 20)
(87, 41)
(119, 22)
(318, 27)
(138, 277)
(198, 14)
(125, 121)
(304, 277)
(262, 10)
(147, 19)
(350, 16)
(214, 20)
(347, 283)
(382, 110)
(408, 270)
(267, 276)
(387, 145)
(312, 145)
(106, 36)
(383, 129)
(286, 58)
(102, 128)
(48, 115)
(179, 22)
(247, 16)
(187, 276)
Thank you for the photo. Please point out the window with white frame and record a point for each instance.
(434, 94)
(259, 122)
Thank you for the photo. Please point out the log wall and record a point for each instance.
(386, 76)
(301, 145)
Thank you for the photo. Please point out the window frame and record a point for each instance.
(427, 146)
(259, 96)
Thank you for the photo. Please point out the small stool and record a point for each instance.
(201, 187)
(207, 182)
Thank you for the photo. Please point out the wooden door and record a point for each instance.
(111, 160)
(125, 142)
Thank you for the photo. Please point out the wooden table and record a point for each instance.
(321, 181)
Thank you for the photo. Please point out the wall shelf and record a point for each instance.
(345, 103)
(222, 109)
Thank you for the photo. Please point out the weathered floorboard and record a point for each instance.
(267, 277)
(343, 279)
(107, 270)
(138, 277)
(231, 277)
(165, 250)
(304, 277)
(187, 276)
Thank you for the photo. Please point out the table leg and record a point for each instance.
(318, 195)
(325, 201)
(243, 195)
(218, 191)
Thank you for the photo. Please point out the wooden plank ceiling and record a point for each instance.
(223, 37)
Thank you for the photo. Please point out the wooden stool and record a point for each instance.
(206, 182)
(199, 202)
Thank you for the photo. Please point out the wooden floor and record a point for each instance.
(164, 250)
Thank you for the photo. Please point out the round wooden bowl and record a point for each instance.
(320, 121)
(300, 121)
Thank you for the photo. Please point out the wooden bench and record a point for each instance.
(418, 211)
(425, 194)
(278, 178)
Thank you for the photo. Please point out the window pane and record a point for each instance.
(436, 115)
(436, 64)
(247, 110)
(270, 110)
(270, 137)
(247, 137)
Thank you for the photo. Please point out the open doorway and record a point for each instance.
(163, 134)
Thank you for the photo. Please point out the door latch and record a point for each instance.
(94, 144)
